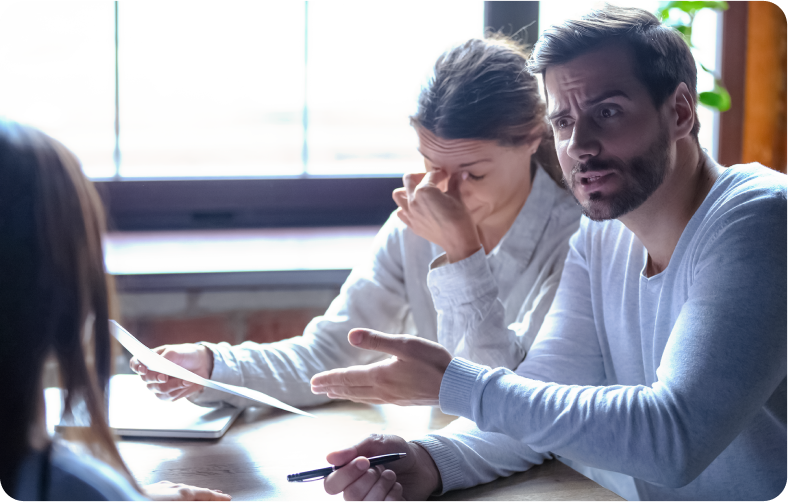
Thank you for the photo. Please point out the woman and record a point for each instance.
(486, 144)
(55, 303)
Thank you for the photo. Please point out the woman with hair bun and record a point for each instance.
(490, 192)
(55, 304)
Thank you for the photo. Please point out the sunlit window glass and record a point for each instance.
(228, 89)
(57, 74)
(366, 64)
(211, 88)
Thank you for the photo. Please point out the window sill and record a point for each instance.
(245, 258)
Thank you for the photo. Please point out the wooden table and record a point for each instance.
(253, 458)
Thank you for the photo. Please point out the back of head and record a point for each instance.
(482, 90)
(662, 58)
(54, 294)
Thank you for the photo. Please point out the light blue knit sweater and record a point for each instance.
(673, 386)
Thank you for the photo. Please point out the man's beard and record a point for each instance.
(641, 176)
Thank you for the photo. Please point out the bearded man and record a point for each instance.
(660, 370)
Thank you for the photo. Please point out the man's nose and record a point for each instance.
(584, 143)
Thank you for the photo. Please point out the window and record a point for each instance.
(57, 72)
(232, 89)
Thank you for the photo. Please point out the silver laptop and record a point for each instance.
(134, 411)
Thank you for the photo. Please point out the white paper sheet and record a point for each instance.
(159, 364)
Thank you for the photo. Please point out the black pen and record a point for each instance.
(325, 471)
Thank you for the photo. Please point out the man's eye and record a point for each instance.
(561, 123)
(474, 177)
(606, 113)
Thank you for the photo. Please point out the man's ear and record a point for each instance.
(681, 112)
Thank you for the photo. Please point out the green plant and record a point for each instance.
(717, 98)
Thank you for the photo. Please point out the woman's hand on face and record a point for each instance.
(414, 477)
(167, 490)
(438, 216)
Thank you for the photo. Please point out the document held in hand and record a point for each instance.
(159, 364)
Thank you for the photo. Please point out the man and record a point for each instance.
(660, 370)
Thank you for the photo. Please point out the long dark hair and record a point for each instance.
(482, 90)
(55, 297)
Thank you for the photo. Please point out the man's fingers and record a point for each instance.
(349, 392)
(353, 377)
(342, 457)
(395, 493)
(396, 345)
(339, 480)
(368, 395)
(382, 486)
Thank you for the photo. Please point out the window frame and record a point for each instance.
(247, 203)
(300, 201)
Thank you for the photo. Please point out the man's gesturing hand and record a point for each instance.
(195, 358)
(414, 477)
(438, 216)
(412, 377)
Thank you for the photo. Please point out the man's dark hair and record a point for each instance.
(661, 57)
(482, 90)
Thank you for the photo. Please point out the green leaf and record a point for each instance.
(718, 99)
(690, 7)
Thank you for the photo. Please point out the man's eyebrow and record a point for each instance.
(422, 154)
(591, 102)
(558, 113)
(606, 95)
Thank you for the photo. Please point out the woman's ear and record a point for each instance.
(682, 112)
(535, 145)
(537, 133)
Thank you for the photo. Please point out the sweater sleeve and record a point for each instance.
(724, 358)
(466, 456)
(374, 296)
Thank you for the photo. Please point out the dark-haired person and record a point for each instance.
(484, 138)
(55, 302)
(660, 370)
